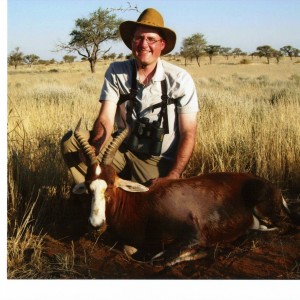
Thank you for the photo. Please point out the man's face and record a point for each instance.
(147, 45)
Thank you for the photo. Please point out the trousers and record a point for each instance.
(137, 167)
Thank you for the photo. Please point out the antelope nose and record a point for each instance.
(92, 224)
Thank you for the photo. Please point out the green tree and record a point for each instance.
(236, 52)
(296, 52)
(184, 52)
(112, 56)
(30, 59)
(129, 56)
(90, 33)
(277, 54)
(15, 58)
(288, 50)
(194, 46)
(69, 58)
(225, 51)
(256, 54)
(120, 56)
(266, 51)
(47, 62)
(211, 51)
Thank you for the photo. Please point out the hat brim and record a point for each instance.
(127, 30)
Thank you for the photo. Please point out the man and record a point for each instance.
(156, 99)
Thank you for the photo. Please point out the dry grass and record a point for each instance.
(249, 121)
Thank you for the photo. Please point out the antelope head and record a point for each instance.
(100, 174)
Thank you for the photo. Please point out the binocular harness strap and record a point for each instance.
(163, 114)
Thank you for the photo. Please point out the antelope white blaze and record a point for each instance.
(98, 170)
(97, 216)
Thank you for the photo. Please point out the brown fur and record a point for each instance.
(207, 209)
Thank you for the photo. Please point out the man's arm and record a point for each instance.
(187, 136)
(103, 125)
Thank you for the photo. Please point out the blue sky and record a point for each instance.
(36, 26)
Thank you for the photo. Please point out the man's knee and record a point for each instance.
(69, 150)
(66, 142)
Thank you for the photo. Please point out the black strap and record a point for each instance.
(164, 106)
(133, 90)
(163, 114)
(131, 96)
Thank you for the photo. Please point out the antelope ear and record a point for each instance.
(79, 189)
(131, 186)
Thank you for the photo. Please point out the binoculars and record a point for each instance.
(143, 129)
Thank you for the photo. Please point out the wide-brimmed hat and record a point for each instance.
(150, 18)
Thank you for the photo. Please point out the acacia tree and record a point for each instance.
(120, 56)
(69, 58)
(194, 46)
(225, 51)
(266, 51)
(288, 50)
(296, 52)
(30, 59)
(277, 54)
(89, 33)
(255, 54)
(185, 54)
(211, 51)
(236, 52)
(15, 58)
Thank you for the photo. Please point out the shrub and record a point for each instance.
(245, 61)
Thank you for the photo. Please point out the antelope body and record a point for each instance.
(207, 209)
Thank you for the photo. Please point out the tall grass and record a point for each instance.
(249, 121)
(250, 125)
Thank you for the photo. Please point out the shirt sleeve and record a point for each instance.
(185, 93)
(110, 88)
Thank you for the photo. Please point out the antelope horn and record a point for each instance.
(113, 147)
(84, 144)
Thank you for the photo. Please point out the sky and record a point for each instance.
(37, 26)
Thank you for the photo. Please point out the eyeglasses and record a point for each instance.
(150, 40)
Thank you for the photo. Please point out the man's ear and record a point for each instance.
(131, 186)
(163, 45)
(79, 189)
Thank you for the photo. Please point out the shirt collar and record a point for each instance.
(159, 72)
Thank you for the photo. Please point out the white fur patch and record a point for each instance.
(285, 205)
(97, 216)
(257, 226)
(98, 170)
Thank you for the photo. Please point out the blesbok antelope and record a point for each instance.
(206, 209)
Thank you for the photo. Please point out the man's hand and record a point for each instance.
(159, 180)
(95, 141)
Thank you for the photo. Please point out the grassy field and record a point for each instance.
(249, 121)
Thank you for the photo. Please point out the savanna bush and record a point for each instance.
(245, 61)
